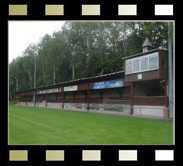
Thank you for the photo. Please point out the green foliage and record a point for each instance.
(83, 49)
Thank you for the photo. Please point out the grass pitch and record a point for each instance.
(40, 126)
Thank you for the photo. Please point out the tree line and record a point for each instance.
(81, 50)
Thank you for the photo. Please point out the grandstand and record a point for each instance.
(141, 89)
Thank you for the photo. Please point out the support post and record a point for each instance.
(120, 92)
(56, 96)
(166, 98)
(166, 101)
(34, 98)
(85, 93)
(14, 98)
(131, 102)
(170, 71)
(133, 89)
(49, 97)
(46, 99)
(63, 97)
(74, 95)
(101, 92)
(88, 98)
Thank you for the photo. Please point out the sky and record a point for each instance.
(23, 33)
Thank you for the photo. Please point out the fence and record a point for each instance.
(109, 106)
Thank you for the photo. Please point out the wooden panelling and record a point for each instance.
(82, 87)
(95, 99)
(69, 100)
(126, 84)
(150, 75)
(28, 93)
(59, 100)
(163, 71)
(80, 100)
(91, 85)
(125, 98)
(85, 86)
(157, 101)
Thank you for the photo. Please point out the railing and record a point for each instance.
(110, 108)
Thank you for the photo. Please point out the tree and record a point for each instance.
(83, 49)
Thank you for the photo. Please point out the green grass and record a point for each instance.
(40, 126)
(11, 102)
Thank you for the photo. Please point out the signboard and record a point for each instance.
(42, 91)
(52, 90)
(108, 84)
(48, 91)
(71, 88)
(139, 76)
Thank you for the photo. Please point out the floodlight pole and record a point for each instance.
(170, 71)
(34, 98)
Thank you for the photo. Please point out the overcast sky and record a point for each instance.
(22, 33)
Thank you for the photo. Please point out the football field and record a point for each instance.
(40, 126)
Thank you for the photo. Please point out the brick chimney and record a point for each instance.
(147, 45)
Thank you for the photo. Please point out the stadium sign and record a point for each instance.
(48, 91)
(52, 90)
(71, 88)
(108, 84)
(42, 91)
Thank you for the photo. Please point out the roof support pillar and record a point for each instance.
(63, 97)
(74, 95)
(13, 98)
(56, 95)
(131, 101)
(46, 98)
(101, 92)
(88, 98)
(132, 93)
(120, 92)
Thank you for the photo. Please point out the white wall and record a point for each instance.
(149, 110)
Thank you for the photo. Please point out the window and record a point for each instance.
(128, 66)
(153, 62)
(144, 63)
(136, 65)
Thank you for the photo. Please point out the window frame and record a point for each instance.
(131, 66)
(142, 70)
(152, 56)
(156, 54)
(139, 66)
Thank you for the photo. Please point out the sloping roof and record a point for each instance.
(119, 74)
(144, 53)
(147, 43)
